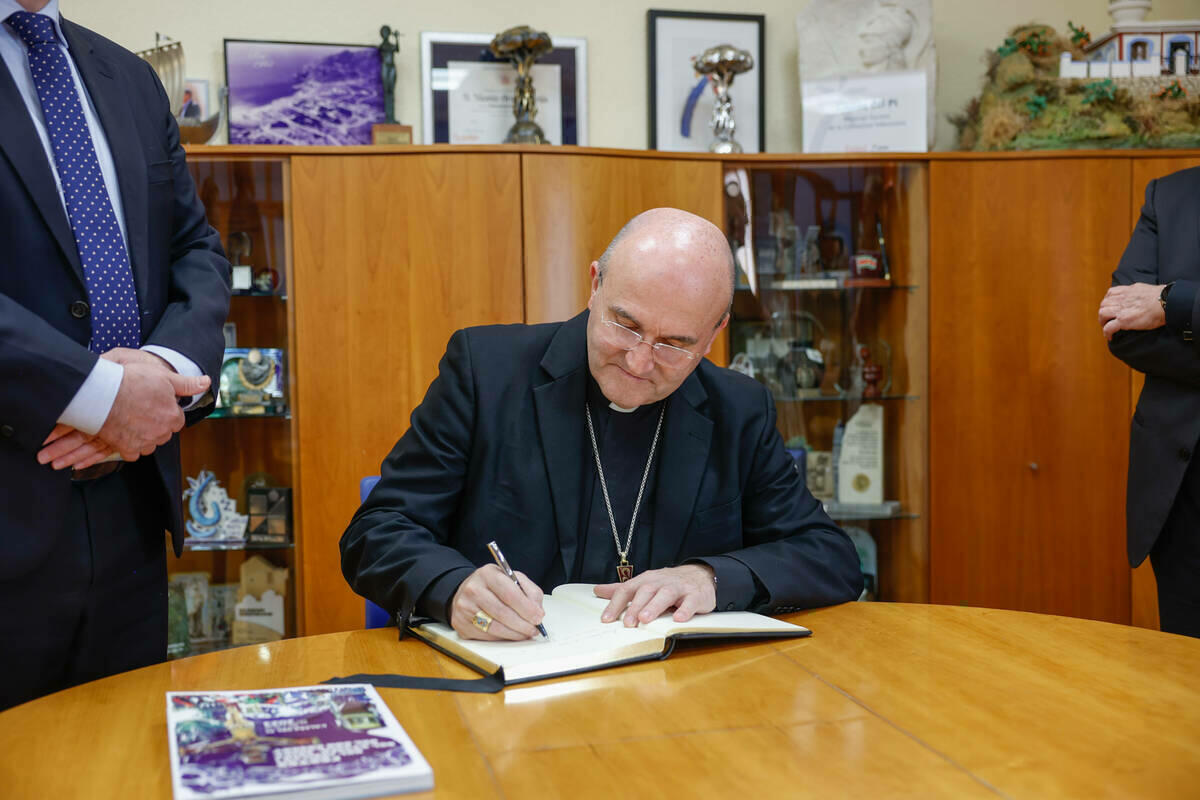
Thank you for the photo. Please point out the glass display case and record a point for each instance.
(830, 313)
(240, 461)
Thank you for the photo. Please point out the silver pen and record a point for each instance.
(503, 562)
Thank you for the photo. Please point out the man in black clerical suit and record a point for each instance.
(596, 448)
(1150, 317)
(113, 290)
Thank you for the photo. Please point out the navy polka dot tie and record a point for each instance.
(106, 270)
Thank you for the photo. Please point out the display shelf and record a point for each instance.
(200, 547)
(225, 413)
(861, 512)
(247, 202)
(844, 397)
(819, 336)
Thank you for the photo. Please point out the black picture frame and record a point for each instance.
(665, 71)
(438, 49)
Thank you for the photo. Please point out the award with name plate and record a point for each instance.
(252, 382)
(860, 462)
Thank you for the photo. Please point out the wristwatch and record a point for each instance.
(1162, 297)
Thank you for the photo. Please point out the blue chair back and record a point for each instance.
(376, 617)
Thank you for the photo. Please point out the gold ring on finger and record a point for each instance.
(481, 620)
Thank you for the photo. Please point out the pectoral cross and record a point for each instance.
(624, 570)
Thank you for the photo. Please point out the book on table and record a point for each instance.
(580, 642)
(308, 742)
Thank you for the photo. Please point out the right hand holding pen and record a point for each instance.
(514, 614)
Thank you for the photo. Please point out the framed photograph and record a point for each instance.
(195, 100)
(302, 93)
(674, 37)
(467, 93)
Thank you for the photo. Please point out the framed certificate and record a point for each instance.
(467, 92)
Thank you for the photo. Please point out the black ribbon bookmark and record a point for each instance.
(489, 684)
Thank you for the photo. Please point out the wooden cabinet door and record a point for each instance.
(392, 255)
(575, 204)
(1029, 411)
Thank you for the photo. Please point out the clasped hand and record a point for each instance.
(144, 415)
(1131, 308)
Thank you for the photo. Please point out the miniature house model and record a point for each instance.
(1137, 48)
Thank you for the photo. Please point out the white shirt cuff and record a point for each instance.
(182, 364)
(89, 408)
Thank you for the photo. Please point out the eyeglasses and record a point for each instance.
(626, 339)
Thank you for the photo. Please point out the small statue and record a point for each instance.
(523, 46)
(721, 64)
(387, 57)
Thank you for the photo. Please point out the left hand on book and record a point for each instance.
(689, 589)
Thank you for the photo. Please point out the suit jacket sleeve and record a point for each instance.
(50, 367)
(397, 543)
(1161, 352)
(198, 272)
(795, 551)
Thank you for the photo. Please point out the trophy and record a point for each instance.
(212, 512)
(387, 67)
(721, 64)
(270, 509)
(241, 275)
(389, 131)
(870, 373)
(252, 382)
(523, 46)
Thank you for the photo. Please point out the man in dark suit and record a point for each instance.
(113, 290)
(604, 449)
(1149, 318)
(189, 109)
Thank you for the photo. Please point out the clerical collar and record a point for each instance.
(616, 407)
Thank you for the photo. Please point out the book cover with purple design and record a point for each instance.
(302, 742)
(301, 93)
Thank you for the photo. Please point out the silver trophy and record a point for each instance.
(523, 46)
(721, 63)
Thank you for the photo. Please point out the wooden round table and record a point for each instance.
(885, 700)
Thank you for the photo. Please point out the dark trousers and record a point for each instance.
(1176, 560)
(98, 604)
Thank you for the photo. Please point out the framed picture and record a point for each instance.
(302, 93)
(195, 99)
(467, 92)
(674, 37)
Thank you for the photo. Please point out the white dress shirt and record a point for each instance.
(88, 410)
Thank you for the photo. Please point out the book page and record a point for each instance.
(576, 635)
(582, 595)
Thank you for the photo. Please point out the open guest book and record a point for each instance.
(580, 642)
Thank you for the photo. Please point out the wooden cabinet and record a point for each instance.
(1008, 449)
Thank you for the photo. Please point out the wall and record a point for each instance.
(616, 34)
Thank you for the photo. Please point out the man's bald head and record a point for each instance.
(698, 246)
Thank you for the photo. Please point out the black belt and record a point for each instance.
(101, 470)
